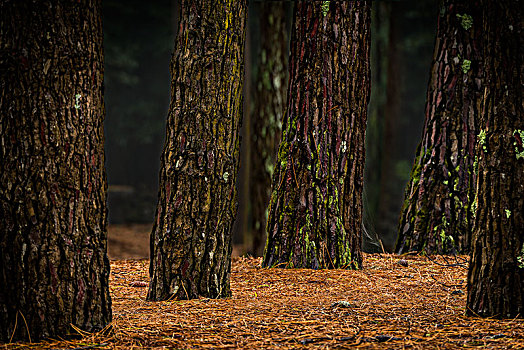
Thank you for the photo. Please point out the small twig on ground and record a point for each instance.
(94, 346)
(463, 264)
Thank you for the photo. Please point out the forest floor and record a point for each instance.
(394, 302)
(131, 241)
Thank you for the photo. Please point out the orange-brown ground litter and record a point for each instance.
(385, 305)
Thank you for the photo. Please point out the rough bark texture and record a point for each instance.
(496, 273)
(53, 264)
(436, 215)
(315, 212)
(191, 237)
(268, 107)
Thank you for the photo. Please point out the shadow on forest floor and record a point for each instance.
(385, 305)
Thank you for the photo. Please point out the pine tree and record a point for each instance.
(496, 271)
(197, 204)
(54, 268)
(315, 212)
(436, 215)
(269, 97)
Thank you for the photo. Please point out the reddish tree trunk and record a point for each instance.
(436, 215)
(53, 265)
(315, 213)
(496, 272)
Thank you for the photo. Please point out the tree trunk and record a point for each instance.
(191, 237)
(269, 98)
(387, 213)
(496, 272)
(53, 265)
(315, 212)
(436, 215)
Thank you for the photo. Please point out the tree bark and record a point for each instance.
(191, 237)
(436, 215)
(315, 212)
(496, 272)
(269, 99)
(54, 268)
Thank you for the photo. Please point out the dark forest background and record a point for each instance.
(138, 42)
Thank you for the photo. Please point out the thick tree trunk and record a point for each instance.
(436, 215)
(53, 265)
(315, 212)
(496, 273)
(268, 107)
(191, 237)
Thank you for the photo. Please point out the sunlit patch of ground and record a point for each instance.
(385, 305)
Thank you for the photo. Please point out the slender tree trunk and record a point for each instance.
(436, 215)
(241, 230)
(496, 272)
(191, 237)
(269, 99)
(380, 25)
(387, 213)
(315, 212)
(53, 265)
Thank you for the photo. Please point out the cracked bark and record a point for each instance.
(436, 216)
(53, 265)
(315, 211)
(496, 277)
(197, 204)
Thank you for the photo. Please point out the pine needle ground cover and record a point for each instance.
(393, 303)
